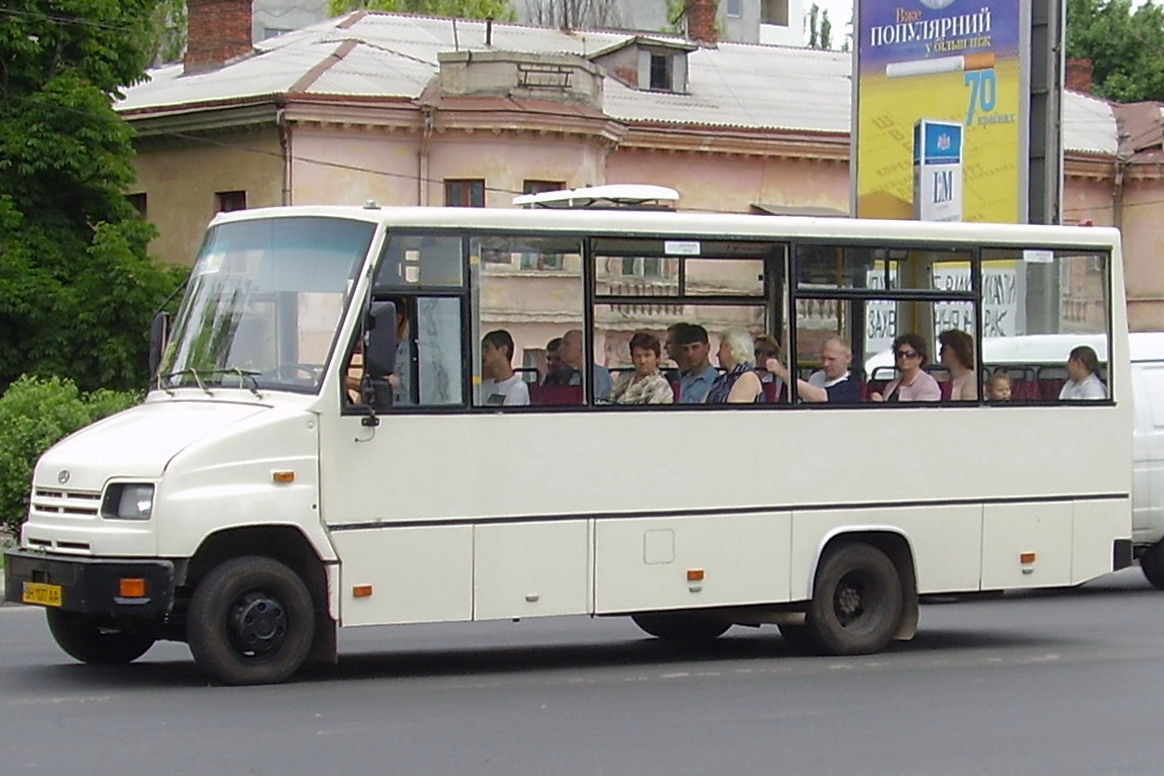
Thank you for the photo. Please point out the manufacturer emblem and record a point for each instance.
(63, 477)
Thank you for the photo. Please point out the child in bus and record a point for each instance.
(998, 388)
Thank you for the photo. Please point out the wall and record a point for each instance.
(180, 181)
(362, 164)
(735, 183)
(1143, 242)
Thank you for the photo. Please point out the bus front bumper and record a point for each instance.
(114, 587)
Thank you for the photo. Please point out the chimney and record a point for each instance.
(702, 24)
(1078, 77)
(217, 32)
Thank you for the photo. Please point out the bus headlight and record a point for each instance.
(128, 501)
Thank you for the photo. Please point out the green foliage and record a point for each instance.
(462, 9)
(168, 22)
(76, 287)
(35, 414)
(1125, 46)
(820, 29)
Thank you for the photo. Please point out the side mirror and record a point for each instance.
(159, 333)
(380, 353)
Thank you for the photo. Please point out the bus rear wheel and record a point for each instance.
(96, 642)
(856, 604)
(1152, 564)
(687, 627)
(250, 621)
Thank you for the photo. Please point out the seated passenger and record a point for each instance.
(696, 374)
(1083, 369)
(956, 350)
(646, 385)
(555, 374)
(998, 388)
(766, 348)
(501, 387)
(832, 382)
(739, 384)
(571, 353)
(913, 383)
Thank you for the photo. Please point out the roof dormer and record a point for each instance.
(650, 64)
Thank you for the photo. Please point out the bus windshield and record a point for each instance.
(264, 303)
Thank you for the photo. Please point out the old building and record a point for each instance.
(412, 110)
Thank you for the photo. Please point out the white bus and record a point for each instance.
(254, 503)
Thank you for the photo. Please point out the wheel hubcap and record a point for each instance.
(848, 602)
(258, 624)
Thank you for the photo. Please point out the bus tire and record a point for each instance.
(250, 621)
(96, 642)
(856, 603)
(686, 627)
(1152, 564)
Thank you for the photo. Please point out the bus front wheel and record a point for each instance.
(856, 604)
(250, 621)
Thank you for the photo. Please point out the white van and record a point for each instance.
(1147, 355)
(1040, 355)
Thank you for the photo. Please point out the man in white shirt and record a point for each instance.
(501, 387)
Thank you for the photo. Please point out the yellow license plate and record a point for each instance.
(40, 594)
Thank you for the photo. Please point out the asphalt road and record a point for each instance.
(1031, 684)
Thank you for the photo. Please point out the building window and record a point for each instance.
(465, 193)
(139, 203)
(226, 201)
(733, 8)
(538, 186)
(642, 267)
(661, 72)
(774, 12)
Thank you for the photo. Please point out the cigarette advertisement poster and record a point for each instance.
(941, 61)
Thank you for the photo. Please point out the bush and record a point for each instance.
(34, 414)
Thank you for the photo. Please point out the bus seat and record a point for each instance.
(552, 395)
(675, 390)
(1024, 390)
(947, 389)
(1049, 389)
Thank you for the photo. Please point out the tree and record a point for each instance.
(1125, 46)
(463, 9)
(594, 14)
(77, 288)
(820, 29)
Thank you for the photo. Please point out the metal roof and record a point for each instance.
(373, 54)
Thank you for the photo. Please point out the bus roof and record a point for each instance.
(665, 223)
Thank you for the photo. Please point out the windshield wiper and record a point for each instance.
(243, 376)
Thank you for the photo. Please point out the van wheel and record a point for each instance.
(688, 627)
(1152, 564)
(250, 621)
(96, 642)
(856, 603)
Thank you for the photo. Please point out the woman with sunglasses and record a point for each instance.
(913, 383)
(766, 348)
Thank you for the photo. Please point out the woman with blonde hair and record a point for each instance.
(739, 384)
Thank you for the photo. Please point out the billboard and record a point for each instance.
(929, 63)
